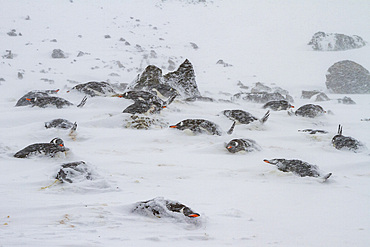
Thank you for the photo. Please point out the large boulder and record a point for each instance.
(183, 80)
(335, 42)
(348, 77)
(151, 77)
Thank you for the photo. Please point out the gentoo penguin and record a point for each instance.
(95, 88)
(278, 105)
(71, 172)
(34, 94)
(247, 145)
(49, 149)
(198, 126)
(160, 207)
(53, 101)
(244, 117)
(309, 110)
(147, 97)
(340, 141)
(59, 123)
(142, 107)
(298, 167)
(312, 131)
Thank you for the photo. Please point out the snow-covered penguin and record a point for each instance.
(278, 105)
(342, 142)
(160, 207)
(298, 167)
(199, 126)
(242, 144)
(48, 149)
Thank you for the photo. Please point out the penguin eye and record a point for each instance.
(181, 124)
(236, 144)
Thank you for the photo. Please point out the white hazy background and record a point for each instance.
(242, 200)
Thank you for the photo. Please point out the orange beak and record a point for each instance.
(164, 106)
(266, 161)
(173, 126)
(292, 106)
(68, 91)
(28, 99)
(194, 215)
(61, 145)
(57, 90)
(229, 147)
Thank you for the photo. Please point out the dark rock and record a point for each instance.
(183, 80)
(261, 97)
(347, 101)
(95, 88)
(199, 98)
(142, 122)
(348, 77)
(223, 63)
(58, 53)
(309, 94)
(310, 110)
(12, 33)
(278, 105)
(10, 55)
(259, 87)
(195, 46)
(322, 97)
(335, 42)
(151, 77)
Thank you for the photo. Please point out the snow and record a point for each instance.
(241, 199)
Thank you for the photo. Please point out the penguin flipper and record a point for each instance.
(83, 102)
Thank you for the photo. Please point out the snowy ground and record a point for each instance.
(242, 200)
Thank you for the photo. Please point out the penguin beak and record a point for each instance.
(292, 106)
(229, 147)
(61, 145)
(267, 161)
(28, 99)
(194, 215)
(164, 106)
(173, 126)
(68, 91)
(57, 90)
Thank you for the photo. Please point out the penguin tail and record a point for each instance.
(231, 130)
(170, 100)
(83, 102)
(265, 117)
(325, 177)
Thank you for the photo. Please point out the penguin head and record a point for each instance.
(32, 100)
(273, 161)
(189, 213)
(179, 126)
(233, 146)
(57, 142)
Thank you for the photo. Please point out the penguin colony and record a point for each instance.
(148, 99)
